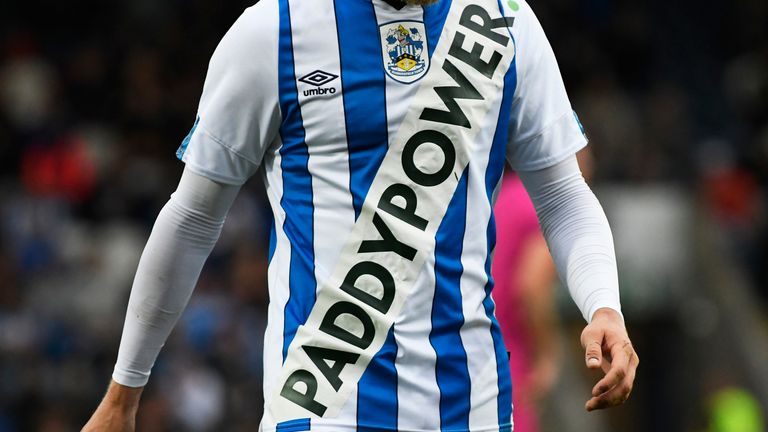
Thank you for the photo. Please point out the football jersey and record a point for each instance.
(381, 131)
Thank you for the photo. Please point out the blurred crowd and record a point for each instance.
(675, 92)
(96, 96)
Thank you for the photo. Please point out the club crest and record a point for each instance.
(404, 48)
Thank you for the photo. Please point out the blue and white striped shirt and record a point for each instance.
(381, 132)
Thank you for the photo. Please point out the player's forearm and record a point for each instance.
(183, 236)
(578, 235)
(123, 398)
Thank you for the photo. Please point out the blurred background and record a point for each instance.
(96, 96)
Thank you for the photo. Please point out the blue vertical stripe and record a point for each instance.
(298, 425)
(493, 174)
(434, 20)
(297, 188)
(364, 94)
(448, 316)
(502, 359)
(377, 395)
(365, 109)
(272, 239)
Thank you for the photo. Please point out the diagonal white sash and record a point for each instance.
(395, 232)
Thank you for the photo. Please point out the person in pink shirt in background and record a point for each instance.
(524, 277)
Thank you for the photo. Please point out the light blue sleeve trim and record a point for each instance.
(185, 143)
(565, 135)
(208, 156)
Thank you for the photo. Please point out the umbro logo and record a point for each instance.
(317, 79)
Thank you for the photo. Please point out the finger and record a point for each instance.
(635, 360)
(594, 355)
(617, 373)
(592, 341)
(606, 364)
(615, 396)
(619, 368)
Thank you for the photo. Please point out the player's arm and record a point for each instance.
(238, 118)
(581, 244)
(545, 136)
(183, 236)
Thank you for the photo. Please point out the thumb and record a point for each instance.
(592, 341)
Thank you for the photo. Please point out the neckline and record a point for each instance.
(395, 4)
(398, 5)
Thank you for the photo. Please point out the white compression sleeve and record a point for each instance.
(182, 238)
(578, 234)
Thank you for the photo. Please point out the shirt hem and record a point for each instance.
(339, 427)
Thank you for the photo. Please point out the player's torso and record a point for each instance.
(348, 72)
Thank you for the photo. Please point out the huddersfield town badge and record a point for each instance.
(406, 58)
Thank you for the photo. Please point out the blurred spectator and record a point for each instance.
(524, 277)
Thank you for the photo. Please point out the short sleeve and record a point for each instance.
(238, 115)
(543, 128)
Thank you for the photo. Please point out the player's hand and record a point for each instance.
(117, 412)
(608, 347)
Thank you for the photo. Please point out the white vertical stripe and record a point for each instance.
(476, 331)
(399, 95)
(277, 277)
(325, 127)
(415, 362)
(324, 124)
